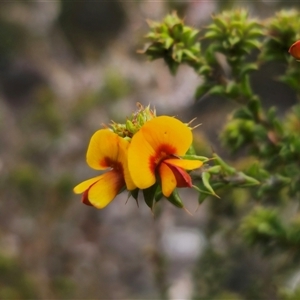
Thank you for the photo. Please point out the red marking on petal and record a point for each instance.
(85, 200)
(183, 179)
(164, 151)
(106, 162)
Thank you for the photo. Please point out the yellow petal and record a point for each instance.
(122, 158)
(167, 132)
(103, 149)
(83, 186)
(141, 169)
(168, 180)
(184, 163)
(105, 189)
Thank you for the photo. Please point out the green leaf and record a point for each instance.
(226, 168)
(214, 170)
(205, 179)
(220, 23)
(195, 157)
(190, 55)
(252, 44)
(202, 90)
(191, 151)
(254, 106)
(232, 89)
(205, 70)
(247, 68)
(218, 90)
(168, 42)
(211, 34)
(243, 113)
(248, 180)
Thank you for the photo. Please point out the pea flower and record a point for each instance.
(295, 50)
(155, 151)
(106, 150)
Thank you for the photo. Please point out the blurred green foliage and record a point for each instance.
(15, 283)
(173, 42)
(234, 47)
(39, 150)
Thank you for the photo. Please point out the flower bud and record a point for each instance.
(295, 50)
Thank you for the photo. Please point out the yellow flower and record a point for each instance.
(106, 150)
(155, 150)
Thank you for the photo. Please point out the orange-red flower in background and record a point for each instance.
(155, 150)
(295, 50)
(106, 150)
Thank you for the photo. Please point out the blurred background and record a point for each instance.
(67, 67)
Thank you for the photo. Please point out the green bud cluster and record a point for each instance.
(265, 227)
(174, 42)
(234, 34)
(281, 31)
(134, 122)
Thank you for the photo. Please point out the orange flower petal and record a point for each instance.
(295, 50)
(168, 180)
(139, 154)
(183, 179)
(105, 189)
(168, 132)
(184, 163)
(85, 185)
(158, 137)
(122, 158)
(103, 149)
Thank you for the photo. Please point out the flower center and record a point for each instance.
(115, 165)
(163, 152)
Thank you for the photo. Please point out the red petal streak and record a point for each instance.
(85, 196)
(85, 200)
(161, 153)
(183, 179)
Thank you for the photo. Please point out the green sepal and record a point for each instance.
(134, 193)
(202, 197)
(149, 195)
(158, 194)
(175, 199)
